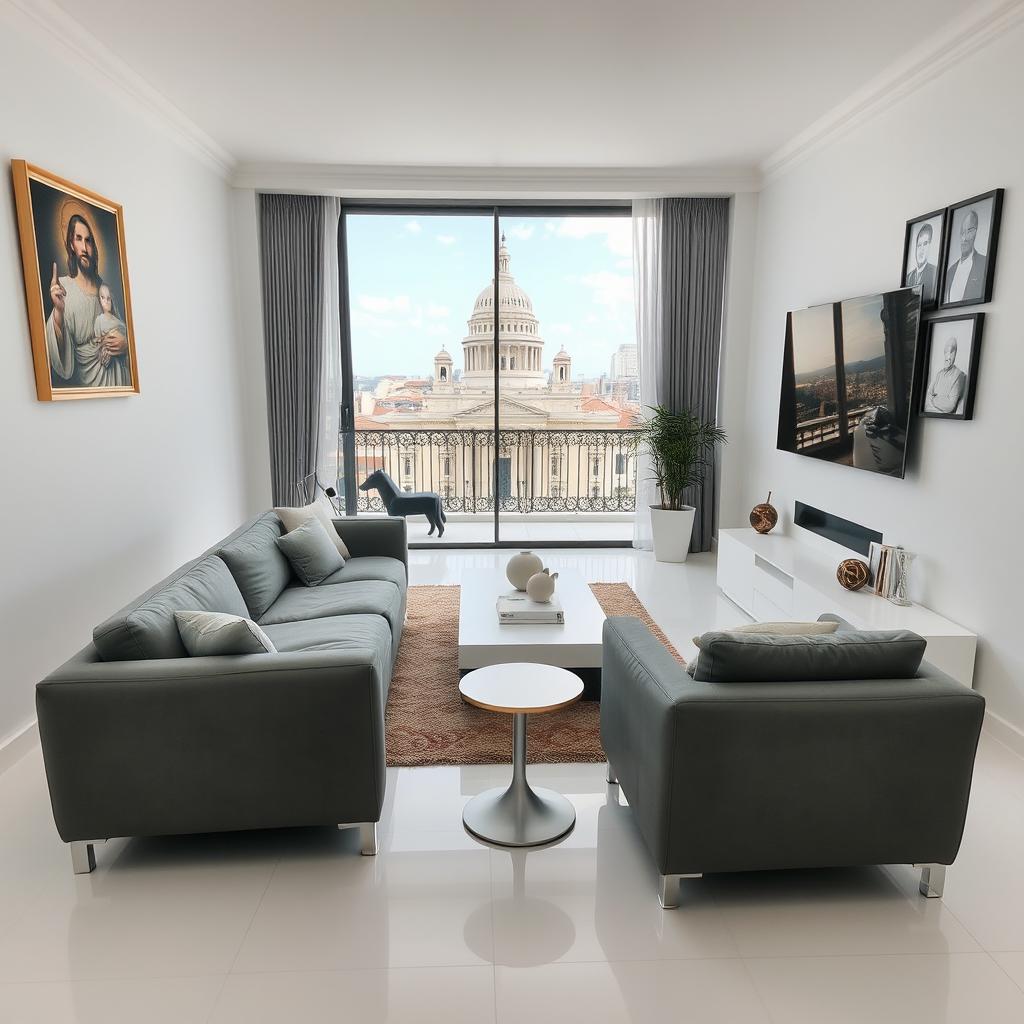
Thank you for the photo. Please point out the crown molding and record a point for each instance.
(929, 60)
(368, 181)
(81, 49)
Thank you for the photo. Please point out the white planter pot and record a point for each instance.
(672, 531)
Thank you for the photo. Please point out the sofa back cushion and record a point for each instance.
(857, 654)
(147, 628)
(257, 563)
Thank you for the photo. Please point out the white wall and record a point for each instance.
(832, 227)
(103, 497)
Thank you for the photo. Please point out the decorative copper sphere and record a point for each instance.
(852, 573)
(763, 517)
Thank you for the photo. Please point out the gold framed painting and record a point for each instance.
(76, 288)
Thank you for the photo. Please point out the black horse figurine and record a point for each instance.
(407, 503)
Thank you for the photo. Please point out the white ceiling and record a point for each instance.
(524, 83)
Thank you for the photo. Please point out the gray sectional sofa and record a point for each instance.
(139, 739)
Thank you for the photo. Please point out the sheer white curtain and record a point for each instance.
(647, 262)
(328, 456)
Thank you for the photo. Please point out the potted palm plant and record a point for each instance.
(680, 446)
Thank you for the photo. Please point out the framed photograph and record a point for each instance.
(923, 244)
(969, 260)
(951, 366)
(76, 288)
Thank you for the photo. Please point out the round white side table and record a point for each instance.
(520, 815)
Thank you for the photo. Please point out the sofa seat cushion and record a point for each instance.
(147, 629)
(363, 597)
(370, 567)
(258, 564)
(366, 639)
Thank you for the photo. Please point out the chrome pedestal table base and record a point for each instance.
(519, 815)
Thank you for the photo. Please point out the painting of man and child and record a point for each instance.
(76, 287)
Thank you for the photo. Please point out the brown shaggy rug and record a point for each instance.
(428, 723)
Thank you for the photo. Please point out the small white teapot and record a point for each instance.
(541, 586)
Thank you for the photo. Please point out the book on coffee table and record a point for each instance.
(517, 608)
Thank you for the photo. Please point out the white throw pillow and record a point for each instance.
(778, 629)
(293, 517)
(216, 633)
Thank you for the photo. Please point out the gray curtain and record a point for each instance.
(695, 235)
(292, 273)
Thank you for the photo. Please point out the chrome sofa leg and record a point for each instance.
(368, 839)
(367, 836)
(668, 890)
(933, 878)
(83, 856)
(610, 776)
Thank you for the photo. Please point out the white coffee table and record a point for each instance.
(520, 815)
(484, 641)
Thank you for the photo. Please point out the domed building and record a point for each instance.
(556, 451)
(520, 345)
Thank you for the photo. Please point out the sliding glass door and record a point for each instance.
(491, 361)
(568, 376)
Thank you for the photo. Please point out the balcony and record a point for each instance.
(550, 485)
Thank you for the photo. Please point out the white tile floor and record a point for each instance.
(296, 926)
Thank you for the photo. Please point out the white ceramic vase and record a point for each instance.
(541, 586)
(672, 529)
(521, 567)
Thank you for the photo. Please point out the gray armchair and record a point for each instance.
(765, 775)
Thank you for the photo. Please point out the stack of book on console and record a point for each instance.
(517, 609)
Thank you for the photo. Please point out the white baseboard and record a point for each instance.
(1007, 733)
(14, 747)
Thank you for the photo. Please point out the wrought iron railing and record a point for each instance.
(532, 470)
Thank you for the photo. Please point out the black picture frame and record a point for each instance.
(928, 302)
(972, 299)
(935, 332)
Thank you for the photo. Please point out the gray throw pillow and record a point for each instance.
(311, 551)
(857, 654)
(215, 633)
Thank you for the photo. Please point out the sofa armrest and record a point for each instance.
(641, 684)
(376, 535)
(186, 745)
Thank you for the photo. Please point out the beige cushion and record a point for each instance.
(216, 633)
(293, 517)
(779, 629)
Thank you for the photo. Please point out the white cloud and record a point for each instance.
(438, 312)
(414, 226)
(617, 231)
(438, 330)
(446, 239)
(384, 304)
(558, 329)
(360, 318)
(521, 231)
(613, 291)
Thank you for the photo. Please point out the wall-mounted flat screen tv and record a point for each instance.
(848, 381)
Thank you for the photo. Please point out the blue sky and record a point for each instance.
(413, 281)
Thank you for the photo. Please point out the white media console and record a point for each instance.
(774, 577)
